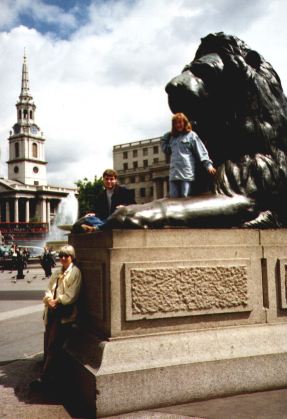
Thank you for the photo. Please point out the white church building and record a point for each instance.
(27, 202)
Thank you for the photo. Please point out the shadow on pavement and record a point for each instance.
(16, 396)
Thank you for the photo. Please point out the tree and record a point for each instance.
(88, 191)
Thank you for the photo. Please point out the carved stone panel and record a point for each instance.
(283, 282)
(175, 289)
(93, 286)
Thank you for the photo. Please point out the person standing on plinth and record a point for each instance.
(186, 151)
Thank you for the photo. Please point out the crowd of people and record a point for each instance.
(14, 258)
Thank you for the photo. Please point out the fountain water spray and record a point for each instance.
(67, 214)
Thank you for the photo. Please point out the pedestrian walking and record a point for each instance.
(20, 264)
(47, 262)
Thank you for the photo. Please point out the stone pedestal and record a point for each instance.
(174, 315)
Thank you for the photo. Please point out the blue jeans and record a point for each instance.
(94, 221)
(180, 188)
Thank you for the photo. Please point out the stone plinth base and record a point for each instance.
(113, 377)
(182, 314)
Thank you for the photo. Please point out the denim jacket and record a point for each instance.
(185, 150)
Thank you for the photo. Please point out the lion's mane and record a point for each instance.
(235, 101)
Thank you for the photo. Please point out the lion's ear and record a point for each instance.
(254, 59)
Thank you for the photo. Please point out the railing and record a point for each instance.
(22, 227)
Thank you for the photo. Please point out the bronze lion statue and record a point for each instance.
(236, 104)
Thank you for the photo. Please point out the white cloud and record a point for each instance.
(269, 37)
(104, 85)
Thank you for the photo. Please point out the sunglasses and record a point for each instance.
(63, 255)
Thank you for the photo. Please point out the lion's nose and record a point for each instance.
(181, 81)
(186, 83)
(171, 86)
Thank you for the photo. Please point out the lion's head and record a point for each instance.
(235, 101)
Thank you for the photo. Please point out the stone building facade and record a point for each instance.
(143, 167)
(25, 197)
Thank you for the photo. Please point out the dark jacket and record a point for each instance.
(121, 196)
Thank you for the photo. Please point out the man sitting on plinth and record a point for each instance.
(112, 197)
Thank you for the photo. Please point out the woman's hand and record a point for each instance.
(211, 170)
(52, 304)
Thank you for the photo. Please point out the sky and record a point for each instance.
(98, 69)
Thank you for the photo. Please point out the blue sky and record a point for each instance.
(98, 68)
(50, 17)
(58, 18)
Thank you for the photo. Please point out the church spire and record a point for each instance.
(25, 91)
(26, 162)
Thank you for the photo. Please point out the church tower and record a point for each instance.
(26, 162)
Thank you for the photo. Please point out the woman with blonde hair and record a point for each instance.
(60, 313)
(186, 150)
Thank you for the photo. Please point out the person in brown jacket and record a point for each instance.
(60, 312)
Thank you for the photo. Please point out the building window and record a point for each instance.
(145, 163)
(16, 169)
(133, 179)
(16, 149)
(155, 149)
(36, 183)
(25, 113)
(35, 169)
(125, 154)
(34, 150)
(142, 178)
(145, 151)
(125, 166)
(135, 164)
(20, 114)
(142, 192)
(155, 160)
(31, 115)
(135, 153)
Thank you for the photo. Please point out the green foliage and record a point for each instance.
(88, 191)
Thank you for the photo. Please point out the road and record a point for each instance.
(21, 325)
